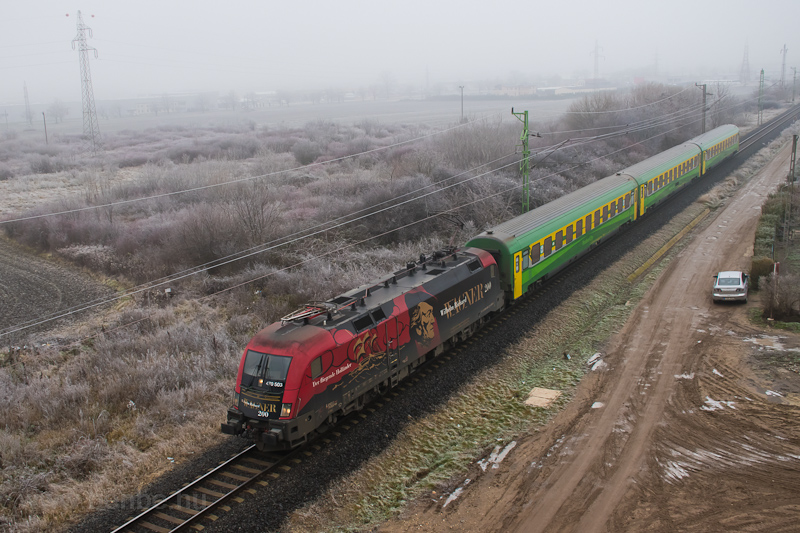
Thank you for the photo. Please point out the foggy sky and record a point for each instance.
(151, 47)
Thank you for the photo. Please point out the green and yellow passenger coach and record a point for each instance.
(534, 246)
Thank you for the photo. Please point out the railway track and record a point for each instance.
(197, 501)
(185, 507)
(779, 122)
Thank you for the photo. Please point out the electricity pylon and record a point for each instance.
(91, 128)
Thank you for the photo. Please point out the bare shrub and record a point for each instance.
(42, 164)
(759, 267)
(592, 111)
(478, 144)
(83, 457)
(781, 298)
(306, 152)
(257, 211)
(5, 172)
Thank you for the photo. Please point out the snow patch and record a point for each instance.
(716, 405)
(598, 405)
(773, 393)
(497, 456)
(684, 376)
(594, 358)
(456, 493)
(717, 372)
(772, 342)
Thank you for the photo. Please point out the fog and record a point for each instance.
(375, 48)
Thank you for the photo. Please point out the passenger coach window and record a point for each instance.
(579, 228)
(559, 239)
(525, 259)
(605, 213)
(535, 253)
(588, 222)
(627, 200)
(548, 246)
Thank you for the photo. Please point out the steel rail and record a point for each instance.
(759, 133)
(217, 496)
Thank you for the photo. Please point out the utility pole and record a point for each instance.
(28, 114)
(761, 99)
(462, 103)
(524, 165)
(787, 227)
(703, 86)
(783, 68)
(44, 119)
(91, 128)
(794, 82)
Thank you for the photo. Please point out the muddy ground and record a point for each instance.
(34, 289)
(688, 426)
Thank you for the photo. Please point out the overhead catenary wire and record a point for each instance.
(148, 286)
(270, 174)
(284, 241)
(428, 218)
(230, 182)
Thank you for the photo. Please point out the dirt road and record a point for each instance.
(686, 429)
(32, 288)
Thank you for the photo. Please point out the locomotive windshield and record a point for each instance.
(264, 370)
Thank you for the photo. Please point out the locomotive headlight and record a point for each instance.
(235, 399)
(286, 410)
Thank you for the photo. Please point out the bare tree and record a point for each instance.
(58, 110)
(387, 82)
(166, 103)
(203, 102)
(229, 101)
(256, 210)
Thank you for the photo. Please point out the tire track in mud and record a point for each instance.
(680, 442)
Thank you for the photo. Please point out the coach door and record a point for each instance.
(517, 275)
(642, 196)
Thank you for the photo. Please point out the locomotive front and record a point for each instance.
(266, 397)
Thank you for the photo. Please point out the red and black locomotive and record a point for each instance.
(299, 375)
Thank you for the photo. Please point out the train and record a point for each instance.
(299, 375)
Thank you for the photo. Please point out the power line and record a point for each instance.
(231, 182)
(191, 272)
